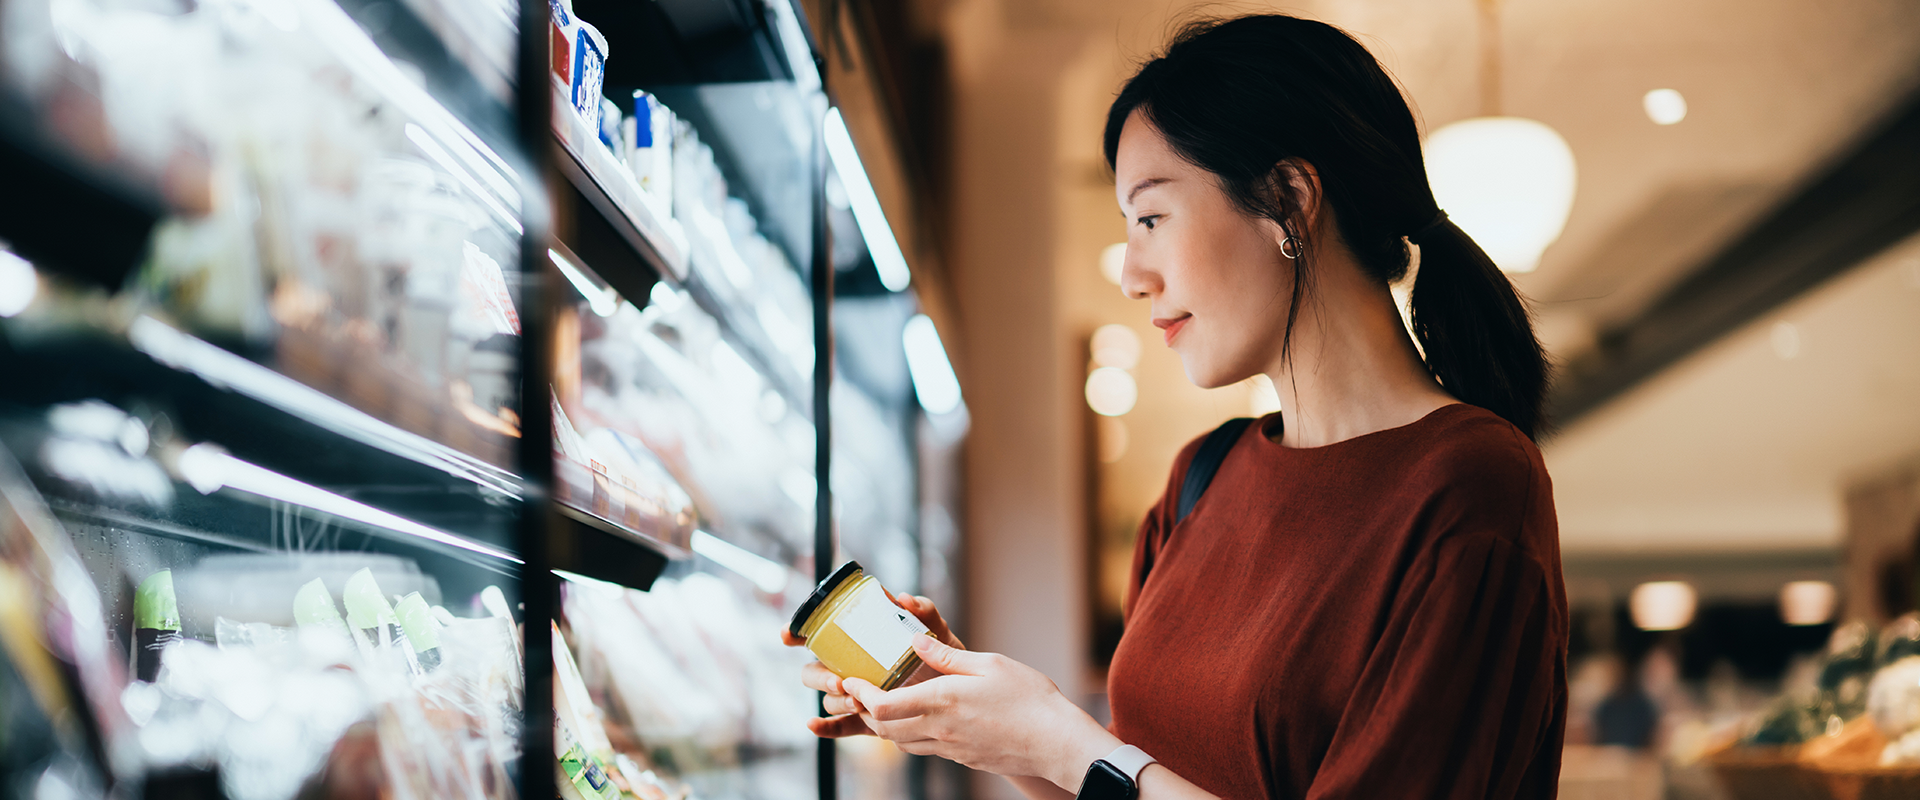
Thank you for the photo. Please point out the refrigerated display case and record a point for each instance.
(358, 347)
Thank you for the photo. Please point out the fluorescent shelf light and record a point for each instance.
(769, 576)
(933, 379)
(208, 469)
(602, 301)
(887, 257)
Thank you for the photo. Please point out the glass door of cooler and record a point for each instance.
(685, 412)
(260, 274)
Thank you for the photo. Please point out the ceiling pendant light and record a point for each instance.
(1507, 181)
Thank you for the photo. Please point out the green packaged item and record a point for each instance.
(156, 623)
(423, 632)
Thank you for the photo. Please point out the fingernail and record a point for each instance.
(922, 642)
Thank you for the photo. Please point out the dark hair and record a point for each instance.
(1253, 99)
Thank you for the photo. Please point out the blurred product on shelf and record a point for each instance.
(690, 685)
(664, 396)
(156, 623)
(579, 60)
(1854, 737)
(328, 211)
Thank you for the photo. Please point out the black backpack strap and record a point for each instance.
(1206, 462)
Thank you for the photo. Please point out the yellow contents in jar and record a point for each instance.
(857, 631)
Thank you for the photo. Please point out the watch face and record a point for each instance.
(1106, 782)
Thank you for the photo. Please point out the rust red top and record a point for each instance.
(1381, 617)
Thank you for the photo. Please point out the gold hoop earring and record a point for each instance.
(1299, 248)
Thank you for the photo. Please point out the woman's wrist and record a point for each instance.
(1086, 744)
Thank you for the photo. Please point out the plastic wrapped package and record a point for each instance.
(275, 710)
(691, 677)
(666, 376)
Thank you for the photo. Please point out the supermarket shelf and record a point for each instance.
(624, 239)
(597, 178)
(585, 544)
(260, 416)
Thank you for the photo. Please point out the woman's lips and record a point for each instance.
(1172, 328)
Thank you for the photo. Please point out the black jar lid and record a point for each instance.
(820, 593)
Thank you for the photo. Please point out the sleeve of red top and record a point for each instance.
(1459, 698)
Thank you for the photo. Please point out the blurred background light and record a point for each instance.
(1808, 602)
(1116, 346)
(1507, 181)
(1113, 259)
(885, 249)
(1111, 391)
(1262, 398)
(1786, 340)
(1662, 605)
(18, 284)
(933, 379)
(1664, 106)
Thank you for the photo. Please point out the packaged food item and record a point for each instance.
(156, 623)
(370, 618)
(579, 60)
(313, 609)
(423, 632)
(651, 157)
(857, 631)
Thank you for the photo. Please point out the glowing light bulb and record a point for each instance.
(1508, 182)
(1664, 106)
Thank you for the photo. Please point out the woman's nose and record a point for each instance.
(1137, 281)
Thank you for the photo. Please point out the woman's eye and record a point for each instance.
(1150, 220)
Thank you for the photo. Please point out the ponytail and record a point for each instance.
(1473, 328)
(1249, 98)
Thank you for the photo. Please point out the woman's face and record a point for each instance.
(1219, 285)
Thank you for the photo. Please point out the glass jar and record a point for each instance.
(855, 629)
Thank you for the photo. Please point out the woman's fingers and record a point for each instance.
(837, 704)
(839, 727)
(817, 677)
(929, 616)
(903, 703)
(787, 638)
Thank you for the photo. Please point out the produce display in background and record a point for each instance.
(1855, 736)
(689, 682)
(328, 215)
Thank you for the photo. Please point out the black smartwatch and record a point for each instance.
(1116, 777)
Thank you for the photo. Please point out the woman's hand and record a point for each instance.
(843, 711)
(986, 711)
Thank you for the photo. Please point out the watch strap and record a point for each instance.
(1130, 760)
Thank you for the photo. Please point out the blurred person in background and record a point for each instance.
(1368, 600)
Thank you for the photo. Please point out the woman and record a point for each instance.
(1367, 600)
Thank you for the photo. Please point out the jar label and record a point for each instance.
(881, 628)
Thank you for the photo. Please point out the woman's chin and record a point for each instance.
(1208, 376)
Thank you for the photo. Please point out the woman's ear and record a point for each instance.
(1296, 185)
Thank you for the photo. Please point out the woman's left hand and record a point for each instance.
(988, 712)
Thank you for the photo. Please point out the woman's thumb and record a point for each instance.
(949, 660)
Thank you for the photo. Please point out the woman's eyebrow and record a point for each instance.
(1145, 185)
